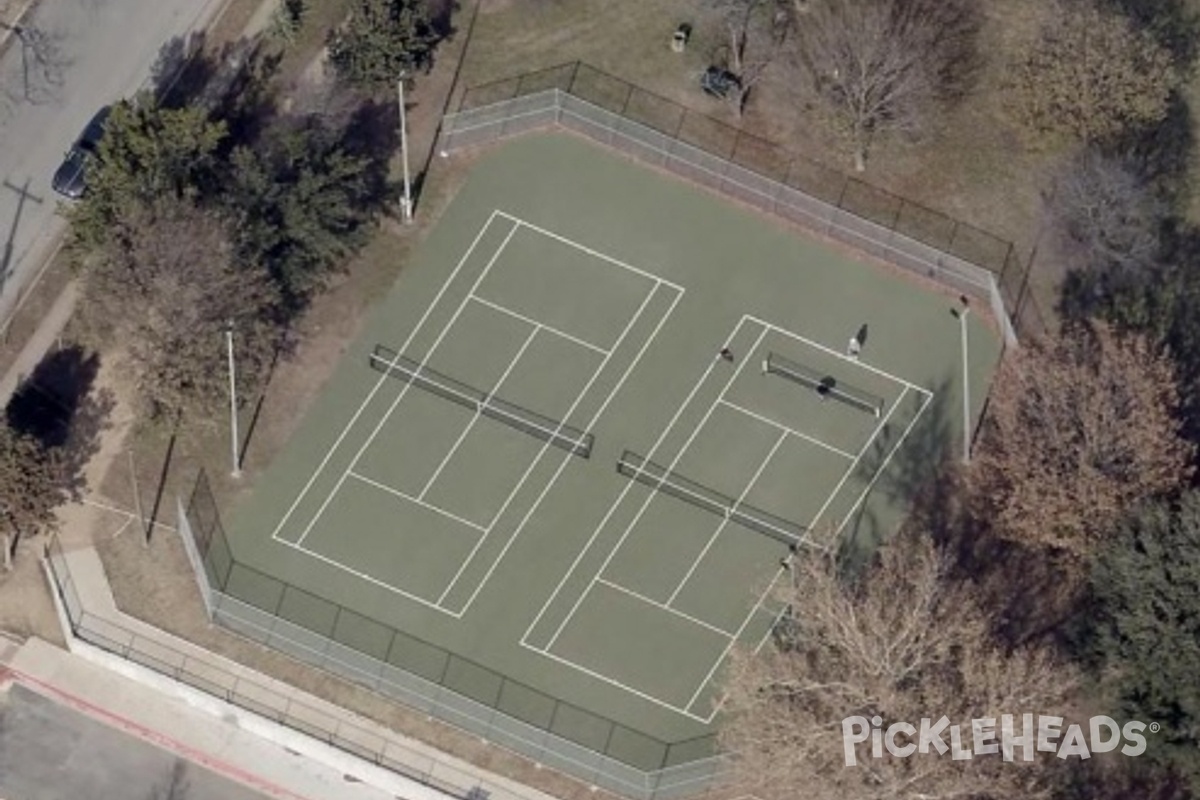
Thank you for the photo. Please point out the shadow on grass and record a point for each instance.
(58, 406)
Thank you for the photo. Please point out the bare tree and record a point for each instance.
(1079, 429)
(903, 642)
(755, 32)
(167, 290)
(1106, 215)
(884, 66)
(1091, 74)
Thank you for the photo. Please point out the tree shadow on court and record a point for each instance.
(910, 474)
(59, 406)
(1027, 593)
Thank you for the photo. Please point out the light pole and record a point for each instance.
(233, 421)
(961, 313)
(406, 201)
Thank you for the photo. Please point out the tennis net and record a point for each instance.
(824, 385)
(672, 483)
(388, 361)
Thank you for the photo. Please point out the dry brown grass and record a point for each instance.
(971, 165)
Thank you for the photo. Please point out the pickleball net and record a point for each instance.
(671, 483)
(824, 385)
(390, 362)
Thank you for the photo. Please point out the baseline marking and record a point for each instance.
(830, 351)
(613, 682)
(382, 378)
(591, 252)
(370, 579)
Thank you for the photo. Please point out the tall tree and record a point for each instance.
(1144, 625)
(301, 203)
(1090, 75)
(883, 66)
(1108, 213)
(903, 642)
(31, 487)
(148, 152)
(168, 289)
(382, 40)
(1078, 429)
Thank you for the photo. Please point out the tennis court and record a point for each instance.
(535, 480)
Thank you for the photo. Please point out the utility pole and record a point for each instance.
(961, 314)
(406, 201)
(233, 420)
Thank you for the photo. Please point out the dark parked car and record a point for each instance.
(70, 180)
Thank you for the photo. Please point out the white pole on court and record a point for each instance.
(966, 381)
(233, 421)
(406, 201)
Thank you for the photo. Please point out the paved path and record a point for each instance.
(51, 751)
(248, 743)
(95, 52)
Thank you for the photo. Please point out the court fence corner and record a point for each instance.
(579, 743)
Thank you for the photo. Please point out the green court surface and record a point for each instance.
(431, 513)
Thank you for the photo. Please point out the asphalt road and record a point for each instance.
(48, 752)
(78, 55)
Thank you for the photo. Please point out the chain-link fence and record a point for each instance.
(433, 680)
(667, 134)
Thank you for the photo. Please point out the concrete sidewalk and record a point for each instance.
(231, 730)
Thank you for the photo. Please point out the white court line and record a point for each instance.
(854, 464)
(613, 682)
(770, 628)
(383, 378)
(850, 361)
(369, 579)
(563, 465)
(527, 320)
(478, 413)
(649, 498)
(663, 606)
(584, 248)
(741, 629)
(741, 498)
(621, 497)
(884, 465)
(404, 390)
(786, 429)
(423, 503)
